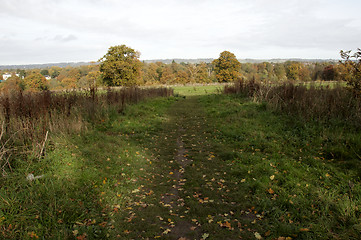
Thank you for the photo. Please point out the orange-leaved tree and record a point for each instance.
(36, 82)
(227, 67)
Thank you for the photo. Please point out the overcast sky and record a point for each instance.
(44, 31)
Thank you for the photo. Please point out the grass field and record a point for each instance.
(207, 166)
(197, 89)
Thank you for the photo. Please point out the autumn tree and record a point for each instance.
(280, 72)
(167, 76)
(353, 65)
(35, 82)
(202, 74)
(182, 77)
(329, 73)
(90, 80)
(120, 66)
(54, 71)
(13, 84)
(292, 70)
(150, 74)
(227, 67)
(304, 73)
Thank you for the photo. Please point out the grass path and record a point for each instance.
(225, 168)
(202, 167)
(193, 196)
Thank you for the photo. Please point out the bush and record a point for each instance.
(352, 64)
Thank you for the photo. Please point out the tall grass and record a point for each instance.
(28, 117)
(311, 102)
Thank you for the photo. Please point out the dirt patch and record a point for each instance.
(183, 228)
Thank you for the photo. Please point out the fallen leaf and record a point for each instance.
(257, 235)
(272, 177)
(167, 231)
(205, 235)
(270, 191)
(304, 229)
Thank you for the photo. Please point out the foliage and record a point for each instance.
(13, 84)
(36, 82)
(227, 67)
(44, 72)
(293, 69)
(92, 79)
(120, 66)
(353, 65)
(329, 73)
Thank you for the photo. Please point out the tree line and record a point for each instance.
(121, 67)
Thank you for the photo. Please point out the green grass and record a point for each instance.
(303, 177)
(250, 171)
(324, 84)
(89, 180)
(197, 90)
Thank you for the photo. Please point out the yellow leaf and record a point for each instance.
(272, 177)
(243, 180)
(167, 231)
(304, 229)
(257, 235)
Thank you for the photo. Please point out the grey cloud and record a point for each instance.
(67, 38)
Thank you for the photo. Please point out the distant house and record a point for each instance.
(47, 77)
(7, 75)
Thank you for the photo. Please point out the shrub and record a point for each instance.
(352, 64)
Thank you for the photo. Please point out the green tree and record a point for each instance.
(280, 72)
(54, 71)
(36, 82)
(227, 67)
(44, 72)
(120, 66)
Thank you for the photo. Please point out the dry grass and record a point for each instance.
(321, 103)
(27, 117)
